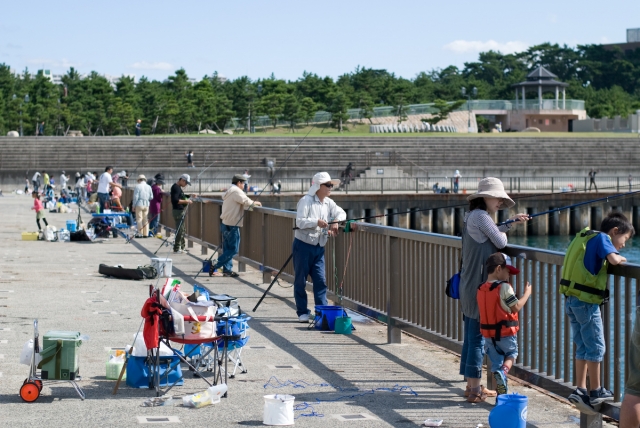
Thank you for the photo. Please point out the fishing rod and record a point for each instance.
(466, 204)
(259, 194)
(607, 198)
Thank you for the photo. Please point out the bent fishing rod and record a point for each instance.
(607, 198)
(260, 194)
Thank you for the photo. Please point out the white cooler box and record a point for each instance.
(164, 267)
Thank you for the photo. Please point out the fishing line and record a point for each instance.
(259, 195)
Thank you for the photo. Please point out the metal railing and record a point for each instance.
(398, 277)
(418, 184)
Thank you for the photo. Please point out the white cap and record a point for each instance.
(318, 179)
(186, 178)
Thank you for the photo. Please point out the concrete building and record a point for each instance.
(629, 124)
(633, 42)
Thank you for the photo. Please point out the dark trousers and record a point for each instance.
(180, 227)
(308, 260)
(102, 200)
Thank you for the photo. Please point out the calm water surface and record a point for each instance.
(560, 243)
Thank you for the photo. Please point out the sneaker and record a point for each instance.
(178, 251)
(304, 318)
(230, 274)
(580, 399)
(599, 396)
(501, 382)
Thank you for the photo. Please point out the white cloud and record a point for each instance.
(474, 46)
(144, 65)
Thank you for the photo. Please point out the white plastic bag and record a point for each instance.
(140, 349)
(211, 396)
(50, 233)
(27, 352)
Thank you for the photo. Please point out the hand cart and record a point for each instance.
(32, 386)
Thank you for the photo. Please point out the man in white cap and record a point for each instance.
(179, 201)
(456, 181)
(233, 206)
(315, 211)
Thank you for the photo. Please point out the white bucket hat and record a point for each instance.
(318, 179)
(493, 188)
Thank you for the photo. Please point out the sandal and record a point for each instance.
(487, 392)
(215, 274)
(476, 398)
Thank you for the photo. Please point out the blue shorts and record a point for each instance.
(506, 347)
(586, 329)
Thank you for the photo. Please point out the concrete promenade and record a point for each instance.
(58, 283)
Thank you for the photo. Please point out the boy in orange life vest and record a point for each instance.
(499, 308)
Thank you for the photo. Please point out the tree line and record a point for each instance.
(608, 80)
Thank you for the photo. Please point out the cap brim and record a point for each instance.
(513, 270)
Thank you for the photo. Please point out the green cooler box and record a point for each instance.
(59, 354)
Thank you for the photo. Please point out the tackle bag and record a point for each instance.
(196, 330)
(141, 272)
(79, 236)
(453, 287)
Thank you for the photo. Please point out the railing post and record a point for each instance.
(394, 334)
(511, 184)
(416, 184)
(551, 184)
(518, 184)
(585, 184)
(302, 186)
(200, 186)
(266, 275)
(618, 184)
(590, 421)
(382, 186)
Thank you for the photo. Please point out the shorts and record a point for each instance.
(40, 215)
(586, 329)
(632, 386)
(506, 347)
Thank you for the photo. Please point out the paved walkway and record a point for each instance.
(58, 283)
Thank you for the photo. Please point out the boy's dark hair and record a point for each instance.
(619, 220)
(477, 203)
(491, 269)
(108, 168)
(34, 193)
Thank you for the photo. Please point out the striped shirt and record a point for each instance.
(480, 227)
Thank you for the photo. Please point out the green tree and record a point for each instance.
(308, 109)
(443, 110)
(338, 107)
(365, 103)
(272, 106)
(291, 111)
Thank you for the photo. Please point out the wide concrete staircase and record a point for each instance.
(331, 153)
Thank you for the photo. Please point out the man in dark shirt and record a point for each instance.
(179, 201)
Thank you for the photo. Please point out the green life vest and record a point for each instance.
(576, 279)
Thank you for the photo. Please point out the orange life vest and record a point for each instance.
(495, 322)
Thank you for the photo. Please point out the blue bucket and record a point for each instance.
(510, 412)
(326, 317)
(206, 266)
(71, 225)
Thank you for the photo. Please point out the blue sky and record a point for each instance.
(286, 37)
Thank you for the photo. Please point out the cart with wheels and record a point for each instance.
(32, 385)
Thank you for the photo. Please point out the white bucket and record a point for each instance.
(278, 409)
(163, 266)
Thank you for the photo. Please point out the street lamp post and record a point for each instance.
(474, 92)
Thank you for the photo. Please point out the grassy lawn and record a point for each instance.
(362, 130)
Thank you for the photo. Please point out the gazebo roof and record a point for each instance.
(541, 77)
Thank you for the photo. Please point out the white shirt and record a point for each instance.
(63, 180)
(310, 210)
(36, 176)
(103, 185)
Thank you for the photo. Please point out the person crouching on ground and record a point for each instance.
(142, 196)
(584, 283)
(233, 206)
(499, 309)
(39, 208)
(315, 211)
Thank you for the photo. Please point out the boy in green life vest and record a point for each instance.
(584, 283)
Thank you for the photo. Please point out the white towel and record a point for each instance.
(178, 321)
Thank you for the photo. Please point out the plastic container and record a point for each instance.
(278, 409)
(164, 266)
(29, 236)
(510, 412)
(60, 355)
(211, 395)
(326, 317)
(206, 266)
(72, 225)
(343, 325)
(139, 372)
(114, 369)
(64, 235)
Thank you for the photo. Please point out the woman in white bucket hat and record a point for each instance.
(480, 238)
